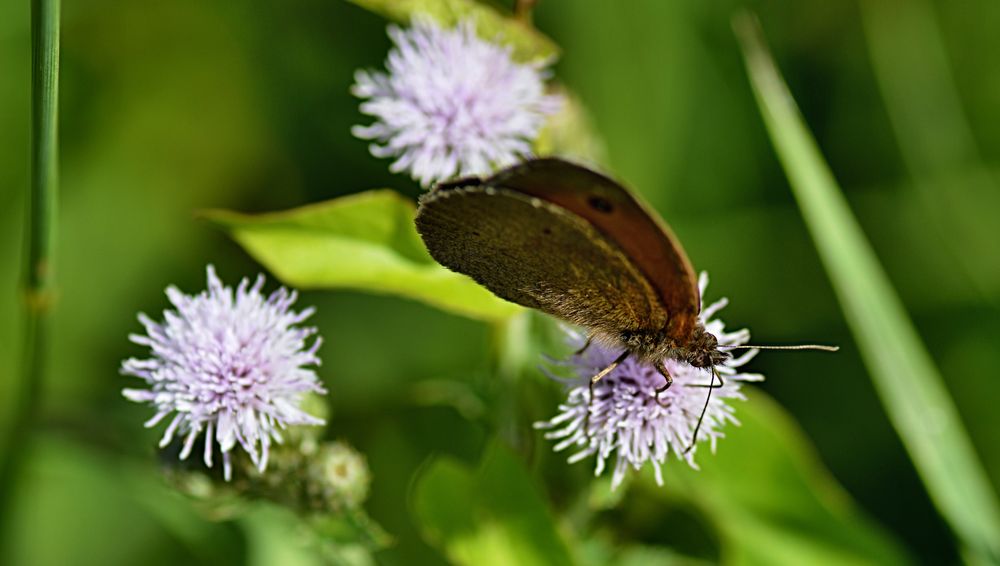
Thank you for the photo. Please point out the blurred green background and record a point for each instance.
(173, 107)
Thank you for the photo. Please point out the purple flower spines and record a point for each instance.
(625, 421)
(451, 103)
(231, 365)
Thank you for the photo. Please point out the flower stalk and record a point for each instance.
(523, 10)
(511, 349)
(40, 239)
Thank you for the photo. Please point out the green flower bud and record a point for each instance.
(338, 476)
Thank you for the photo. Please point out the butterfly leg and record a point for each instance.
(611, 367)
(590, 338)
(662, 368)
(710, 387)
(590, 404)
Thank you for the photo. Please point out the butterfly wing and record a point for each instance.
(622, 218)
(537, 254)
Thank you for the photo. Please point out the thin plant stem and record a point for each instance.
(523, 10)
(512, 349)
(40, 239)
(911, 388)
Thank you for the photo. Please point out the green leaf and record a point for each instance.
(275, 536)
(527, 43)
(602, 549)
(350, 527)
(493, 515)
(365, 241)
(638, 555)
(68, 478)
(912, 391)
(772, 501)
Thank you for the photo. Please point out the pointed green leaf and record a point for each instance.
(912, 391)
(771, 500)
(365, 241)
(273, 537)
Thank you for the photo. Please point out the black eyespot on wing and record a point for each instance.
(600, 204)
(547, 231)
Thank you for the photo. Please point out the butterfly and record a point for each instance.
(561, 238)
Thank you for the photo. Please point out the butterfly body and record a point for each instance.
(701, 350)
(558, 237)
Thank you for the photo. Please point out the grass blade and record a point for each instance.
(38, 284)
(959, 194)
(904, 374)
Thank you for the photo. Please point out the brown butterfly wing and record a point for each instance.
(537, 254)
(613, 211)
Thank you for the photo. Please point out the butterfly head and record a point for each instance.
(703, 351)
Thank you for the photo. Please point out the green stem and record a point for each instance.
(910, 386)
(523, 10)
(40, 236)
(511, 352)
(512, 345)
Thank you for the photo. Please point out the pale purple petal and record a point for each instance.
(231, 367)
(627, 424)
(451, 103)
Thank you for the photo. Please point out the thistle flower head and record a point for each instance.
(231, 366)
(626, 425)
(451, 103)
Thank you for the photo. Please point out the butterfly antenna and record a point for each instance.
(704, 409)
(821, 347)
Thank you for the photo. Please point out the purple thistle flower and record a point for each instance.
(626, 423)
(229, 365)
(451, 104)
